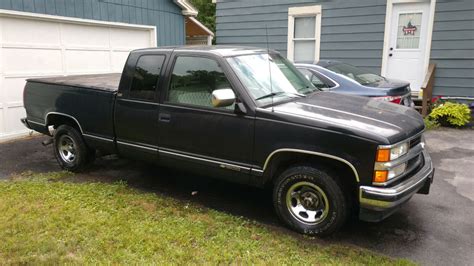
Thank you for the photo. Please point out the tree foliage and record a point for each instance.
(207, 13)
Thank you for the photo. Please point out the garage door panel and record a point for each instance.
(85, 36)
(125, 38)
(13, 116)
(2, 125)
(13, 89)
(83, 61)
(30, 32)
(31, 61)
(51, 46)
(118, 61)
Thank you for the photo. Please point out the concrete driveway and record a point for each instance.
(437, 229)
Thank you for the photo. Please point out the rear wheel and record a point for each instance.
(309, 201)
(70, 149)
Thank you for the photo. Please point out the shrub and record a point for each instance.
(449, 113)
(430, 124)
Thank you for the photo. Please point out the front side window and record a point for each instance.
(270, 78)
(146, 76)
(194, 79)
(304, 33)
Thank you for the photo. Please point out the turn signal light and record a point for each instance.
(380, 176)
(383, 155)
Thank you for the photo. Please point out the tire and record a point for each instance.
(70, 149)
(309, 201)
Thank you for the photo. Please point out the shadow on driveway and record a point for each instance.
(436, 229)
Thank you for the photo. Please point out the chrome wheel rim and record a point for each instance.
(67, 149)
(307, 203)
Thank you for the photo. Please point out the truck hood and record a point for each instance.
(360, 116)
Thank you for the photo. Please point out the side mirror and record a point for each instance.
(223, 97)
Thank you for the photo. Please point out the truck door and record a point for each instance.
(136, 107)
(192, 129)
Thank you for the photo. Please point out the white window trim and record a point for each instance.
(303, 11)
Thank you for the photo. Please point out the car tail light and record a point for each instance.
(392, 99)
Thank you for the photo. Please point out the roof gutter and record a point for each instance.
(187, 8)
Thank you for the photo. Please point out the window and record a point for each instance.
(359, 75)
(285, 82)
(409, 28)
(146, 76)
(315, 80)
(194, 79)
(304, 31)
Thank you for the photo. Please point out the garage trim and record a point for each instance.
(54, 18)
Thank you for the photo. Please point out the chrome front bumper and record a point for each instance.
(376, 203)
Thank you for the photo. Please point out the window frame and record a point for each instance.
(158, 81)
(165, 99)
(304, 11)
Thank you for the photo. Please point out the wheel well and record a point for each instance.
(57, 120)
(340, 171)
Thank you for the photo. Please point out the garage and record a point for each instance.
(37, 45)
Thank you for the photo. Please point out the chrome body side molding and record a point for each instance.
(356, 174)
(98, 138)
(153, 149)
(220, 164)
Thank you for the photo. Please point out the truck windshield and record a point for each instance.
(361, 76)
(286, 82)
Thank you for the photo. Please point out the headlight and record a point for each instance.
(397, 171)
(386, 155)
(398, 151)
(382, 176)
(390, 154)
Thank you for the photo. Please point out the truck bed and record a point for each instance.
(106, 82)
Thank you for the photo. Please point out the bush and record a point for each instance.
(450, 114)
(430, 124)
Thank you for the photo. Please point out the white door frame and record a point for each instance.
(388, 28)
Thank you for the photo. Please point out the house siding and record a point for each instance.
(351, 31)
(164, 14)
(452, 48)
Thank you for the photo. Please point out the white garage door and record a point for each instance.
(35, 45)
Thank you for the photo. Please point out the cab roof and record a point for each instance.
(221, 50)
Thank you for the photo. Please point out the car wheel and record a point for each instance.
(309, 201)
(70, 149)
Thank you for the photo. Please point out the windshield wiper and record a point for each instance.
(278, 93)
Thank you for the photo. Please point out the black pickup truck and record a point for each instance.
(245, 115)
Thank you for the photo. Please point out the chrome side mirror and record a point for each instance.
(223, 97)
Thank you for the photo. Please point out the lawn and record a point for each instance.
(45, 219)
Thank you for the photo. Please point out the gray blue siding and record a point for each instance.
(351, 31)
(164, 14)
(452, 48)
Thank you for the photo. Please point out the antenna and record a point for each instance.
(269, 65)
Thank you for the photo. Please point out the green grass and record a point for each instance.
(46, 220)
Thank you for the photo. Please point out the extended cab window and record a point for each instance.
(194, 79)
(146, 76)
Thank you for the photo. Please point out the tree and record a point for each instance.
(207, 13)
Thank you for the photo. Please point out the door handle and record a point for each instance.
(164, 118)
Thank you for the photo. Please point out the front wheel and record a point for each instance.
(70, 149)
(309, 201)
